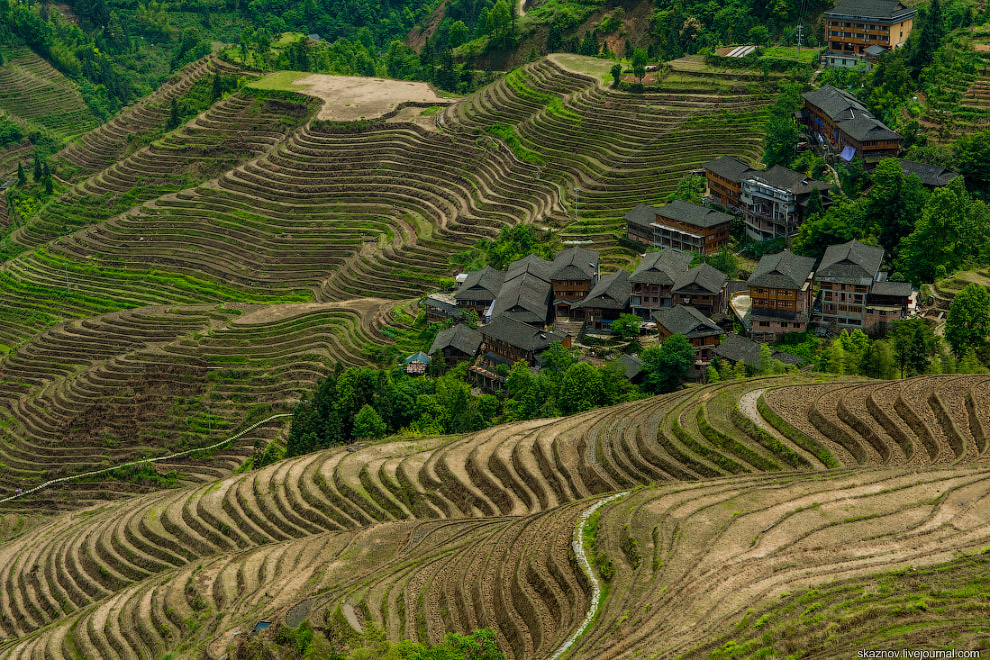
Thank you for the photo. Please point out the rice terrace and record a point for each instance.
(493, 330)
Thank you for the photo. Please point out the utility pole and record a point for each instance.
(800, 35)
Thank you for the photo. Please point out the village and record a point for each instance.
(520, 312)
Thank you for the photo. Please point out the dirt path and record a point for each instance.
(349, 98)
(596, 588)
(747, 406)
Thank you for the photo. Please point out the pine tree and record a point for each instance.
(37, 167)
(21, 176)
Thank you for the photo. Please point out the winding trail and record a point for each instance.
(144, 460)
(596, 588)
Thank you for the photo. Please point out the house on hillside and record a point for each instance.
(608, 300)
(703, 288)
(632, 367)
(700, 331)
(736, 348)
(780, 291)
(479, 289)
(846, 278)
(457, 344)
(854, 27)
(724, 177)
(417, 363)
(506, 341)
(932, 176)
(442, 306)
(574, 272)
(652, 282)
(680, 226)
(776, 201)
(843, 126)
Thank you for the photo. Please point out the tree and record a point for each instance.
(894, 203)
(968, 324)
(21, 176)
(759, 35)
(815, 207)
(690, 188)
(780, 141)
(580, 389)
(627, 326)
(766, 359)
(173, 115)
(616, 72)
(840, 223)
(36, 175)
(878, 360)
(914, 345)
(932, 31)
(711, 375)
(667, 365)
(369, 424)
(639, 60)
(458, 33)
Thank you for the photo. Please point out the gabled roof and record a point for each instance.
(460, 337)
(736, 348)
(632, 364)
(729, 168)
(875, 50)
(660, 267)
(611, 292)
(692, 214)
(529, 265)
(883, 9)
(574, 263)
(641, 216)
(796, 182)
(893, 289)
(930, 175)
(701, 279)
(418, 356)
(850, 263)
(521, 335)
(481, 284)
(526, 298)
(687, 321)
(837, 104)
(863, 129)
(785, 270)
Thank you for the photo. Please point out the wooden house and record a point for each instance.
(780, 294)
(724, 177)
(506, 341)
(701, 287)
(698, 329)
(457, 344)
(652, 282)
(854, 29)
(479, 290)
(680, 226)
(845, 128)
(607, 301)
(574, 272)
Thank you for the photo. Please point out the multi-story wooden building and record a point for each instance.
(574, 272)
(724, 177)
(703, 335)
(653, 280)
(457, 344)
(854, 294)
(478, 291)
(680, 226)
(703, 288)
(780, 295)
(506, 341)
(607, 301)
(853, 26)
(526, 293)
(843, 126)
(776, 200)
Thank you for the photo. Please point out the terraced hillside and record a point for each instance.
(961, 105)
(33, 91)
(158, 380)
(717, 534)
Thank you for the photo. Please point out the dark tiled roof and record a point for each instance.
(660, 267)
(875, 50)
(863, 129)
(418, 356)
(736, 348)
(632, 364)
(764, 314)
(885, 9)
(611, 292)
(526, 298)
(692, 214)
(481, 284)
(687, 321)
(896, 289)
(641, 216)
(460, 337)
(521, 335)
(700, 279)
(850, 263)
(444, 301)
(930, 175)
(529, 265)
(574, 264)
(730, 168)
(785, 270)
(796, 182)
(838, 104)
